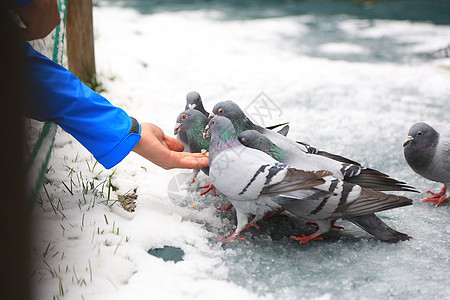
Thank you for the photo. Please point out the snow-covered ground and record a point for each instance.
(347, 85)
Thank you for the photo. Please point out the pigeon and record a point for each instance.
(194, 101)
(371, 223)
(271, 176)
(301, 155)
(256, 183)
(427, 151)
(189, 130)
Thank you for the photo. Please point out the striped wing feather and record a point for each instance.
(369, 202)
(296, 180)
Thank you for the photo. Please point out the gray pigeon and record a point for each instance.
(255, 183)
(427, 151)
(305, 157)
(194, 101)
(189, 130)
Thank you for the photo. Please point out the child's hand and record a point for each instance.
(165, 151)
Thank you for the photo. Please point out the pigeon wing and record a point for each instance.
(296, 180)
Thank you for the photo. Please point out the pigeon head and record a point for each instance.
(189, 128)
(190, 118)
(256, 140)
(249, 138)
(232, 111)
(194, 101)
(420, 145)
(220, 127)
(222, 134)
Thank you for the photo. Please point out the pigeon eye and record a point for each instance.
(419, 133)
(220, 111)
(213, 122)
(183, 117)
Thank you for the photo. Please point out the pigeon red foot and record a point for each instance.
(226, 208)
(251, 224)
(233, 237)
(439, 198)
(306, 238)
(208, 187)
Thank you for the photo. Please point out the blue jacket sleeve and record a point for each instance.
(58, 95)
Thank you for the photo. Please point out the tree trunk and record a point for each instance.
(80, 40)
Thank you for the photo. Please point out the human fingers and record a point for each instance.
(173, 144)
(187, 160)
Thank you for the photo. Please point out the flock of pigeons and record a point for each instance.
(263, 172)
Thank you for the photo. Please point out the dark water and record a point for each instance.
(437, 12)
(168, 253)
(322, 22)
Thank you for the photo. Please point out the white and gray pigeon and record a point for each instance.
(427, 151)
(255, 183)
(371, 223)
(302, 156)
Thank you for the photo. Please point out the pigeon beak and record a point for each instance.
(211, 115)
(408, 140)
(206, 134)
(192, 106)
(177, 128)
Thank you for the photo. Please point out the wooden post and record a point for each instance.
(80, 40)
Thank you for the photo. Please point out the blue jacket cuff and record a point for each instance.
(118, 153)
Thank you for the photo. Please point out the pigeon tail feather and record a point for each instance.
(376, 227)
(370, 201)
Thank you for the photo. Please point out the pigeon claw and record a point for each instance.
(439, 198)
(335, 226)
(208, 187)
(226, 208)
(306, 238)
(233, 237)
(251, 224)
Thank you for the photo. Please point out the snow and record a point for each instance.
(355, 96)
(342, 48)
